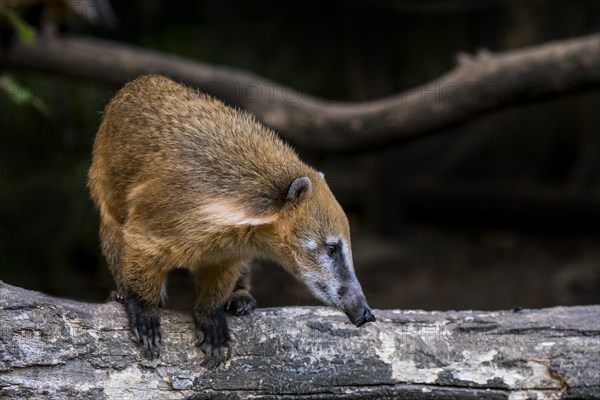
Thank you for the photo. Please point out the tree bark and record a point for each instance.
(56, 349)
(478, 84)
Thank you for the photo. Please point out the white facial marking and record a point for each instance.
(333, 239)
(328, 297)
(309, 244)
(347, 255)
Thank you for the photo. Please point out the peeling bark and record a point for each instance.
(478, 84)
(54, 348)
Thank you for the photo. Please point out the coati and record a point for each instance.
(182, 180)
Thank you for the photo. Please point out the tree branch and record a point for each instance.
(478, 84)
(54, 348)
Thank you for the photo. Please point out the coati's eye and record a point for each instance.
(332, 248)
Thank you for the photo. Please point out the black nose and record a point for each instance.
(367, 316)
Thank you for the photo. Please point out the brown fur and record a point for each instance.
(182, 180)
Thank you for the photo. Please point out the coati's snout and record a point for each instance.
(341, 292)
(368, 316)
(356, 308)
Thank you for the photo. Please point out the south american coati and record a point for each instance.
(182, 180)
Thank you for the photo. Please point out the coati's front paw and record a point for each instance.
(213, 338)
(240, 304)
(144, 321)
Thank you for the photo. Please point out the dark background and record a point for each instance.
(496, 212)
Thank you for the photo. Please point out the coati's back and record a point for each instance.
(156, 131)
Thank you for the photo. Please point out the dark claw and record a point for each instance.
(213, 338)
(211, 362)
(144, 320)
(116, 296)
(215, 357)
(240, 304)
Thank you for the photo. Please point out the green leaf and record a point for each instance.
(21, 95)
(25, 32)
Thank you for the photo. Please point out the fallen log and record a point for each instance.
(54, 348)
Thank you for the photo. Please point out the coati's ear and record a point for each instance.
(298, 190)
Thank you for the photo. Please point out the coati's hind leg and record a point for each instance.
(143, 278)
(241, 301)
(214, 285)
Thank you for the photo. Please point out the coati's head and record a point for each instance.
(315, 247)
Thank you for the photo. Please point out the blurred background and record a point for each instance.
(498, 211)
